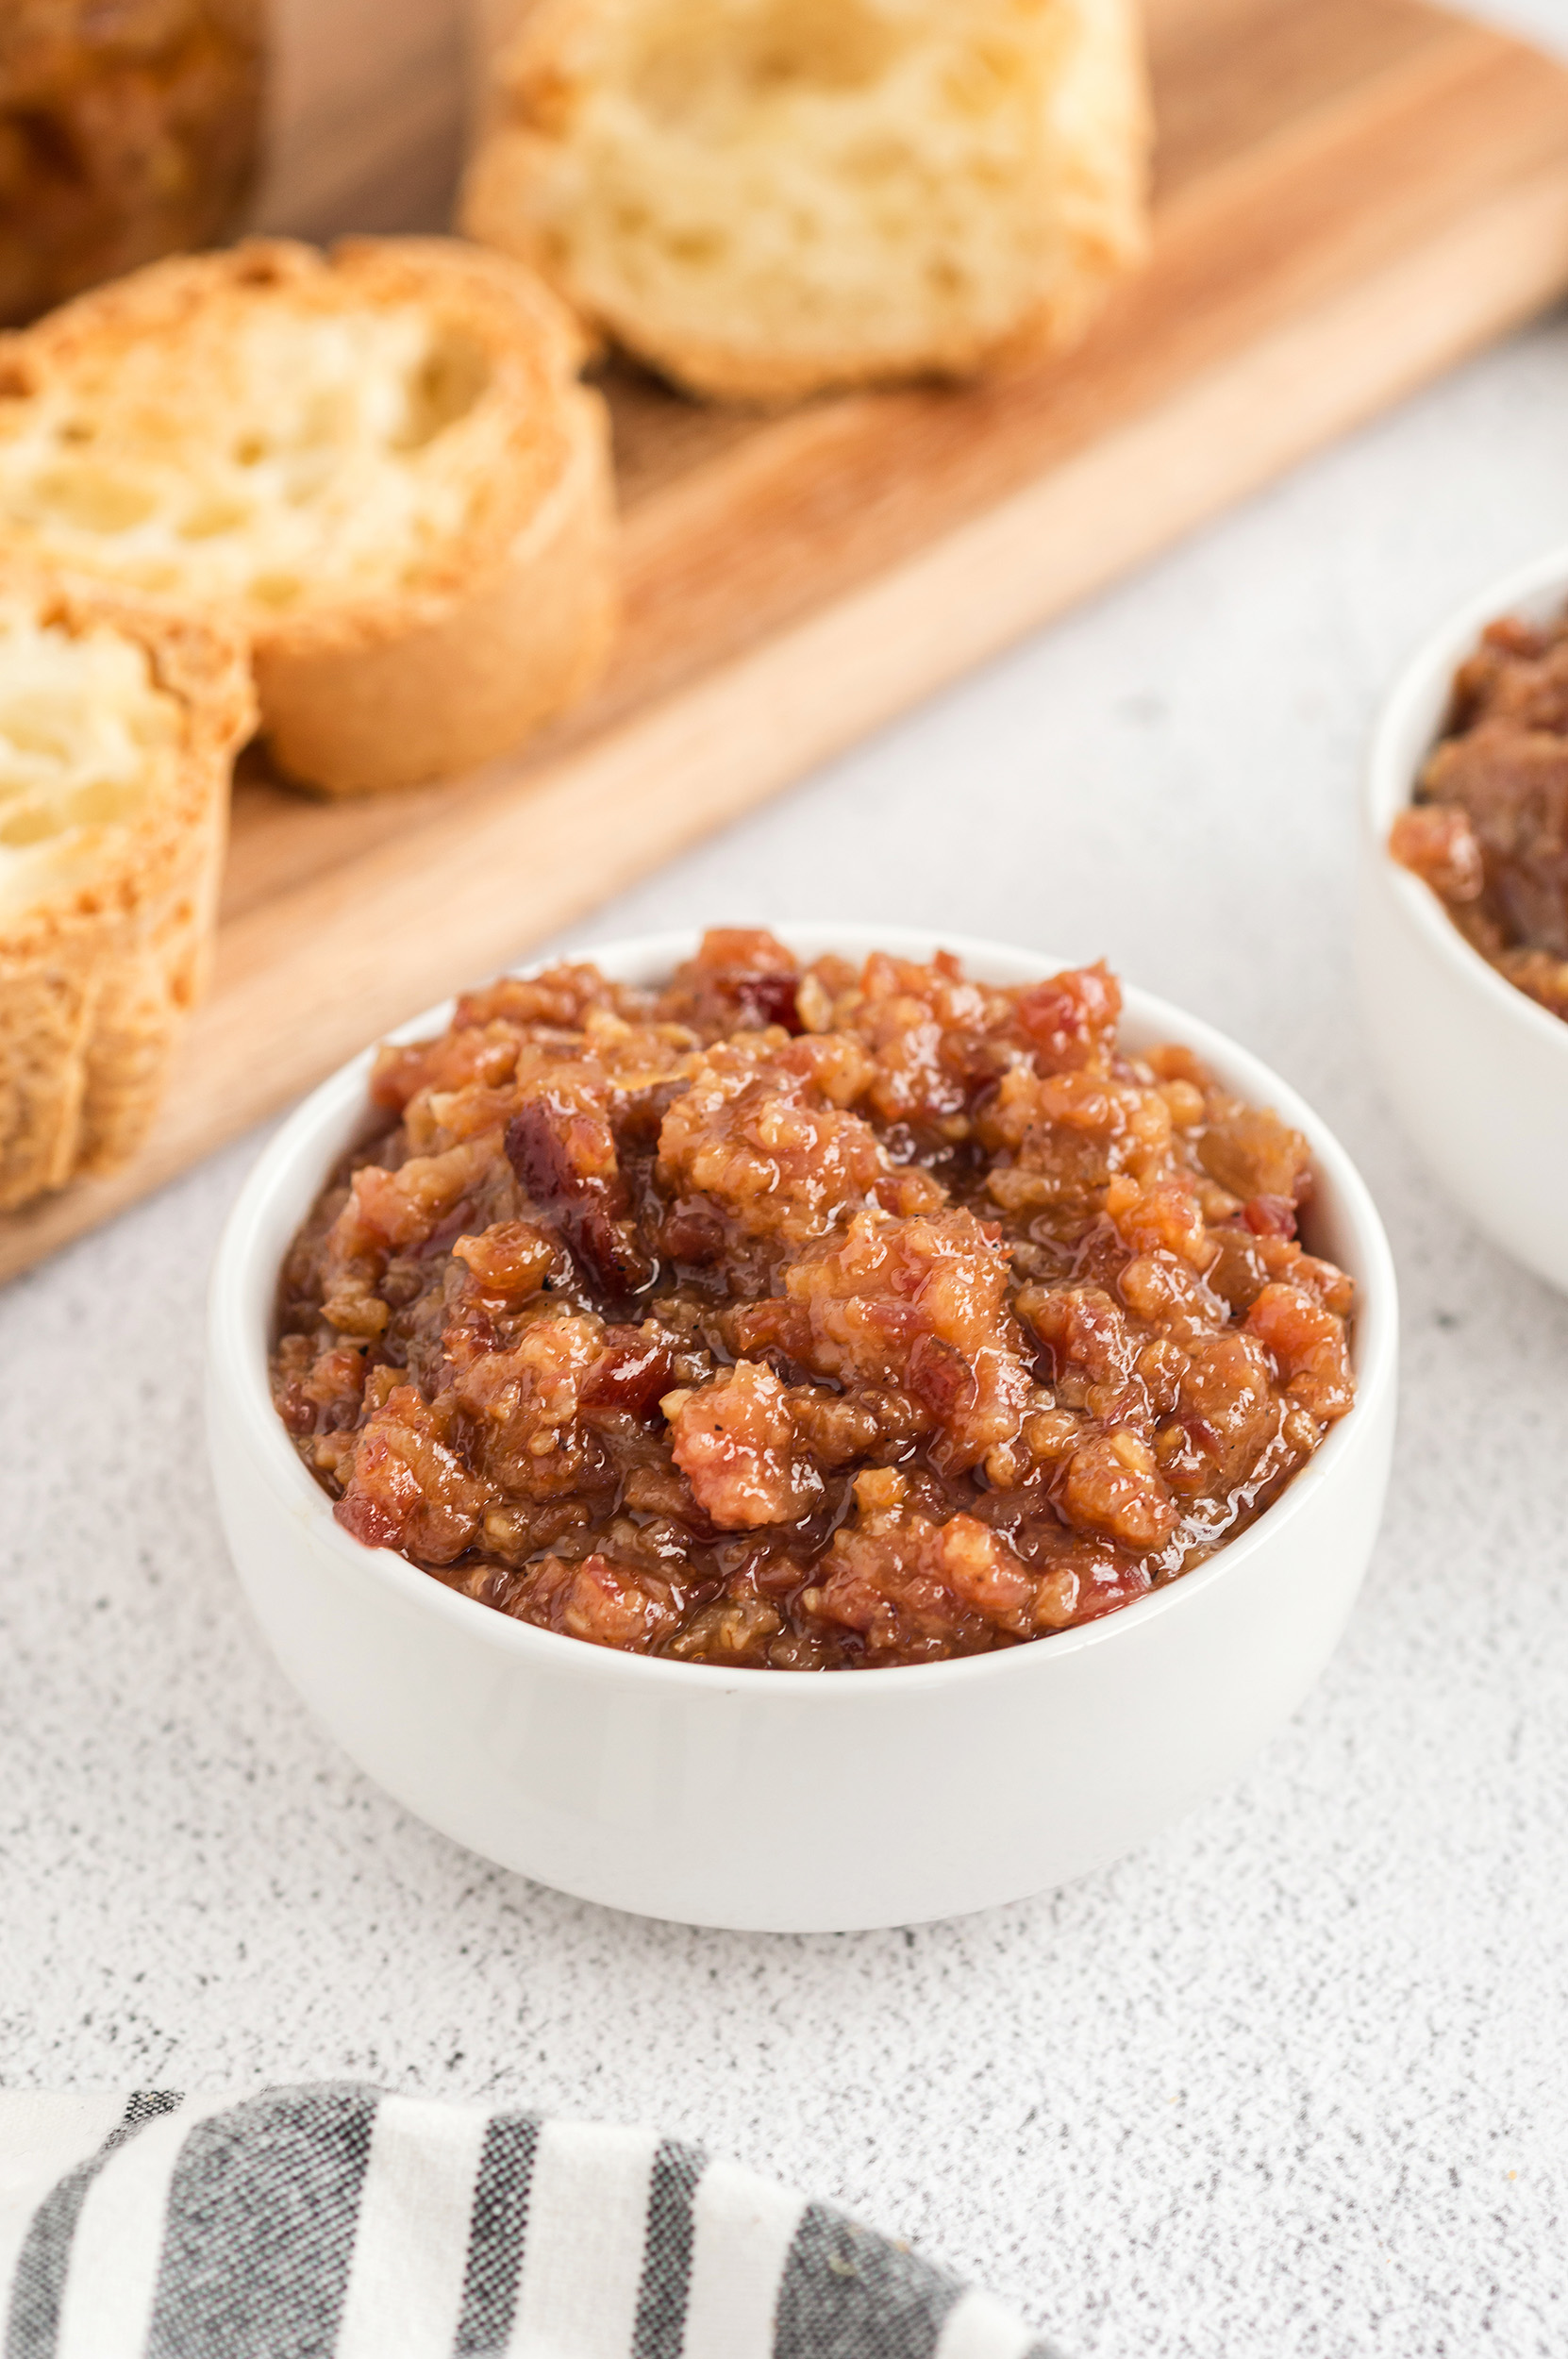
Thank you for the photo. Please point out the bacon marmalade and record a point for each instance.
(128, 128)
(1489, 828)
(808, 1317)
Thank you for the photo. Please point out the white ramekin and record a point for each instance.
(785, 1800)
(1477, 1072)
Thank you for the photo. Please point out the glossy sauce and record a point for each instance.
(808, 1316)
(1489, 828)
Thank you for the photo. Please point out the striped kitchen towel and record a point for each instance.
(337, 2222)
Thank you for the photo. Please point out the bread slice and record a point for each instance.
(763, 197)
(379, 464)
(118, 731)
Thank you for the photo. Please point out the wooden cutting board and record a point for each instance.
(1351, 194)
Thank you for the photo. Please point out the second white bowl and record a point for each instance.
(786, 1800)
(1477, 1072)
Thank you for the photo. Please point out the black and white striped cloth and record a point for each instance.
(337, 2222)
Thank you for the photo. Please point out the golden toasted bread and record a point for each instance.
(118, 731)
(379, 464)
(763, 197)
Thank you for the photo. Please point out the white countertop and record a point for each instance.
(1293, 2083)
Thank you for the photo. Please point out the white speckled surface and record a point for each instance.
(1290, 2085)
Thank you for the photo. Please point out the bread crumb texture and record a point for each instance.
(87, 738)
(762, 197)
(377, 458)
(290, 458)
(118, 731)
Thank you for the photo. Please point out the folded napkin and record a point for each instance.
(337, 2222)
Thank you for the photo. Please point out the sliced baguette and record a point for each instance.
(118, 731)
(765, 198)
(379, 464)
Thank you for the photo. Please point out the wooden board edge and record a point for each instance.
(673, 775)
(805, 508)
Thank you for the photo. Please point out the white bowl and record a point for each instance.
(785, 1800)
(1477, 1072)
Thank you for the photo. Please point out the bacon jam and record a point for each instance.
(128, 128)
(1488, 830)
(806, 1316)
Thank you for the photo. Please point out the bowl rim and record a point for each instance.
(238, 1357)
(1391, 774)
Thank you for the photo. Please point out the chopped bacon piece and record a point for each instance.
(1113, 1487)
(1270, 1216)
(904, 1583)
(1071, 1021)
(1227, 1415)
(1085, 1583)
(1059, 1141)
(761, 1139)
(921, 1303)
(1438, 842)
(561, 999)
(1308, 1348)
(735, 1443)
(509, 1260)
(937, 1040)
(527, 1401)
(1086, 1335)
(1164, 1216)
(486, 1053)
(1254, 1154)
(632, 1374)
(741, 979)
(390, 1211)
(408, 1488)
(563, 1154)
(859, 1314)
(598, 1601)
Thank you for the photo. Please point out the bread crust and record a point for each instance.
(542, 65)
(421, 688)
(508, 620)
(97, 978)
